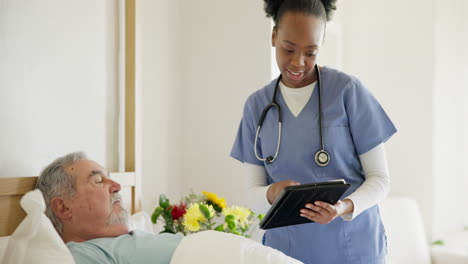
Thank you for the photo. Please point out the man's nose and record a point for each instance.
(114, 186)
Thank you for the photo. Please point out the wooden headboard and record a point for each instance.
(12, 189)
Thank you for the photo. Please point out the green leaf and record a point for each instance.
(244, 229)
(154, 217)
(205, 211)
(232, 226)
(157, 212)
(230, 218)
(220, 228)
(438, 242)
(260, 216)
(163, 201)
(167, 216)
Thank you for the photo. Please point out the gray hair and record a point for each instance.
(54, 181)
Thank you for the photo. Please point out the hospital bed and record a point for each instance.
(30, 237)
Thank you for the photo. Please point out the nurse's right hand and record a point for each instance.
(275, 189)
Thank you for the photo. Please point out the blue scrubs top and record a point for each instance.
(353, 123)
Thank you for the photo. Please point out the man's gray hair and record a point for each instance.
(54, 181)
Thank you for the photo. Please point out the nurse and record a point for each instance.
(354, 127)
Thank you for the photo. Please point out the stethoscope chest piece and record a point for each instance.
(322, 158)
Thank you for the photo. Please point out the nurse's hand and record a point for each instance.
(324, 213)
(275, 189)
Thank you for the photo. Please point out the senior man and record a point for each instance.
(85, 208)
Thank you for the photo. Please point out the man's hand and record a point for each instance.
(324, 213)
(275, 189)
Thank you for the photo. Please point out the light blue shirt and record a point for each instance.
(135, 247)
(353, 123)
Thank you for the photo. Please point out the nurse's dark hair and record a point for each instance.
(320, 8)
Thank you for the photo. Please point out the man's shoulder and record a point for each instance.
(86, 252)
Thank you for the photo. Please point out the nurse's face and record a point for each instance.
(297, 39)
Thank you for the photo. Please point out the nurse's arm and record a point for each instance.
(260, 194)
(376, 185)
(256, 187)
(374, 189)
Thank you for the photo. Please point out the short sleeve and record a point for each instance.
(368, 122)
(88, 254)
(243, 148)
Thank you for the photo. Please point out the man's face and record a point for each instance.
(95, 209)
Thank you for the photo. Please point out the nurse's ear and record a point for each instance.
(274, 34)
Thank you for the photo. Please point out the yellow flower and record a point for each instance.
(241, 213)
(193, 217)
(212, 197)
(191, 224)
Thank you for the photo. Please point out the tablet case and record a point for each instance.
(285, 210)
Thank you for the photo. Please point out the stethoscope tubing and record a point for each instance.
(319, 86)
(321, 154)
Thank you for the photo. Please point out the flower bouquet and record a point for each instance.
(204, 212)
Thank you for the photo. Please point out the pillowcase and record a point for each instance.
(140, 221)
(35, 239)
(3, 245)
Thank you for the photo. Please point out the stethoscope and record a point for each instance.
(322, 158)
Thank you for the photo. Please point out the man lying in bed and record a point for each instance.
(85, 208)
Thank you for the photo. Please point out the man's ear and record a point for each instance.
(273, 36)
(60, 208)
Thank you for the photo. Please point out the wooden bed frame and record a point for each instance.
(12, 189)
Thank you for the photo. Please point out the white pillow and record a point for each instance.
(35, 239)
(3, 245)
(140, 221)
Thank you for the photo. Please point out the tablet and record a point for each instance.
(285, 211)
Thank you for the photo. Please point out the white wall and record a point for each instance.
(195, 69)
(58, 85)
(450, 155)
(159, 133)
(226, 57)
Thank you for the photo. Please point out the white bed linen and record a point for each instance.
(213, 247)
(35, 239)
